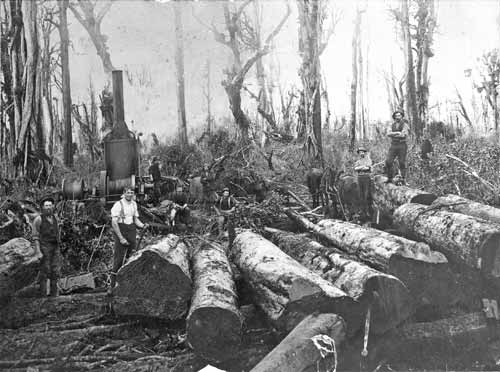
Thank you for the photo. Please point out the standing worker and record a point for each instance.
(225, 206)
(154, 171)
(363, 168)
(398, 134)
(46, 237)
(124, 219)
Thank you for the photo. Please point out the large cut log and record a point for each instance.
(445, 339)
(284, 289)
(455, 203)
(214, 323)
(463, 239)
(297, 352)
(387, 196)
(155, 282)
(19, 263)
(389, 298)
(425, 273)
(20, 312)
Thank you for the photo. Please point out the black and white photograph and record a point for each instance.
(249, 185)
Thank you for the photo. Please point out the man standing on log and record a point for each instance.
(224, 208)
(363, 168)
(398, 134)
(46, 237)
(124, 219)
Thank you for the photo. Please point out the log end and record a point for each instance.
(214, 333)
(490, 256)
(390, 300)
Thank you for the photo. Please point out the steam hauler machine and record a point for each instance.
(121, 158)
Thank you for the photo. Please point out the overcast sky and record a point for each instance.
(141, 41)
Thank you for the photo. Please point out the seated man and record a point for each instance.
(179, 212)
(224, 208)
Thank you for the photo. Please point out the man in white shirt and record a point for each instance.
(124, 219)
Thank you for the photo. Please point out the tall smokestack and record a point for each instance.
(118, 107)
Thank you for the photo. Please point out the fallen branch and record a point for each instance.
(474, 174)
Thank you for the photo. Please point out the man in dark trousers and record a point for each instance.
(224, 207)
(46, 237)
(399, 133)
(363, 168)
(124, 219)
(154, 171)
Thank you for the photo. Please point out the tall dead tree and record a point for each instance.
(207, 92)
(179, 64)
(312, 42)
(66, 83)
(354, 82)
(237, 37)
(90, 16)
(490, 83)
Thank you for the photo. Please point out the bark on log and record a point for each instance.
(19, 262)
(18, 344)
(419, 342)
(464, 239)
(155, 282)
(20, 312)
(387, 196)
(461, 205)
(390, 299)
(284, 289)
(425, 273)
(214, 323)
(297, 351)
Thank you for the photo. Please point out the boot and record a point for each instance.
(43, 287)
(54, 291)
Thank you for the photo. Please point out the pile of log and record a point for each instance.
(425, 272)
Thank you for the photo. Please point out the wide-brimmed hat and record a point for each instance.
(47, 198)
(225, 189)
(398, 112)
(361, 149)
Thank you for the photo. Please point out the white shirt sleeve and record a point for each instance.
(115, 211)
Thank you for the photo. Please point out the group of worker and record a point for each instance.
(125, 213)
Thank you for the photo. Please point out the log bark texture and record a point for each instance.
(418, 342)
(214, 323)
(297, 351)
(20, 312)
(387, 196)
(284, 289)
(425, 273)
(155, 282)
(390, 299)
(463, 239)
(19, 262)
(457, 204)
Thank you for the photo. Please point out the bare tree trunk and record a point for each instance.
(66, 87)
(411, 99)
(208, 96)
(87, 15)
(354, 82)
(179, 63)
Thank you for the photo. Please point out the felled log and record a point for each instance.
(388, 296)
(18, 344)
(297, 352)
(457, 204)
(387, 196)
(425, 273)
(19, 263)
(214, 323)
(464, 239)
(446, 338)
(20, 312)
(155, 282)
(284, 289)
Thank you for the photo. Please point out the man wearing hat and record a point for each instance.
(224, 207)
(46, 237)
(363, 168)
(124, 219)
(398, 134)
